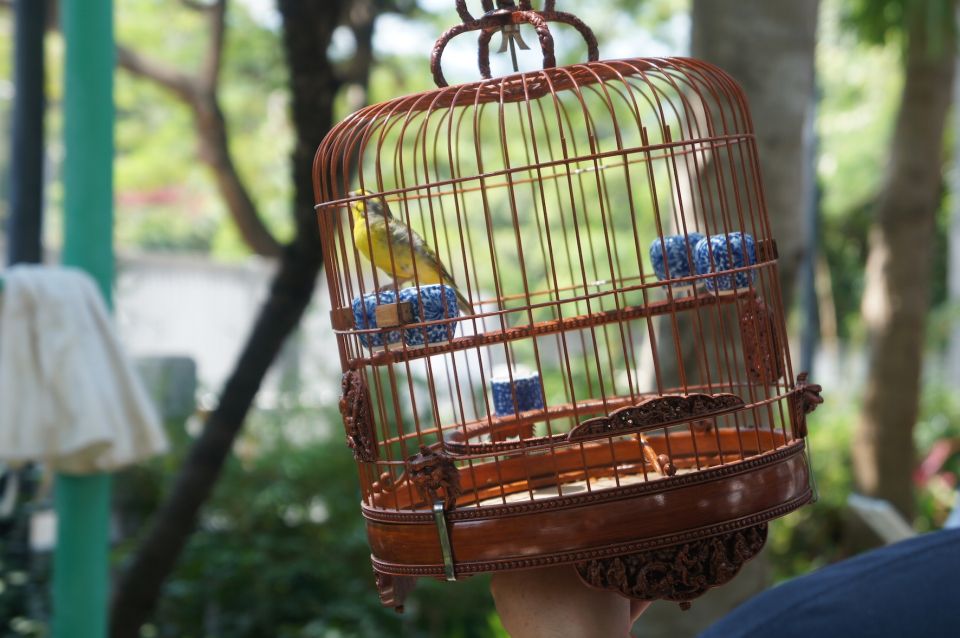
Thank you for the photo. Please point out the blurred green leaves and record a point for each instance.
(883, 21)
(158, 174)
(281, 549)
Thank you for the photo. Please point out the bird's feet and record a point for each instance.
(393, 285)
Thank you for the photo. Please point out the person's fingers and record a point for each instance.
(637, 607)
(554, 602)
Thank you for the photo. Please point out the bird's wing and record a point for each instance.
(401, 235)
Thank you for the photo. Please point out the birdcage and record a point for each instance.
(558, 315)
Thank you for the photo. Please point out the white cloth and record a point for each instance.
(68, 395)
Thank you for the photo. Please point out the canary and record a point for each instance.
(394, 248)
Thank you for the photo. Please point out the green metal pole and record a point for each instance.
(81, 559)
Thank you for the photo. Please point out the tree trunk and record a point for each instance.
(308, 27)
(897, 292)
(953, 250)
(214, 151)
(768, 48)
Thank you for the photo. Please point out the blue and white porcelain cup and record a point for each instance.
(730, 250)
(679, 252)
(522, 387)
(365, 317)
(439, 302)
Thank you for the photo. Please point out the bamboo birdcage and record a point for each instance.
(618, 392)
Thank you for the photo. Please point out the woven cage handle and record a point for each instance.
(508, 14)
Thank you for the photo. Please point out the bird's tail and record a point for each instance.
(462, 302)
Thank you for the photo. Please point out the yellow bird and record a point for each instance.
(396, 249)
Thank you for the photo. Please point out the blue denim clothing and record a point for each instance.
(907, 589)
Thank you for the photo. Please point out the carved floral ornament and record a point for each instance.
(357, 416)
(678, 573)
(656, 412)
(434, 473)
(761, 346)
(804, 400)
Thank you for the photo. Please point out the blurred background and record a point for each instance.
(219, 109)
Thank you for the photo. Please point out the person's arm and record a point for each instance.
(554, 602)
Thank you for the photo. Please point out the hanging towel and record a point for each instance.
(68, 394)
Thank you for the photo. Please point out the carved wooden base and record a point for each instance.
(679, 573)
(394, 589)
(638, 516)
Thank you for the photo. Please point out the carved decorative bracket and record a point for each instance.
(433, 471)
(761, 347)
(504, 17)
(357, 416)
(669, 409)
(679, 573)
(394, 589)
(804, 400)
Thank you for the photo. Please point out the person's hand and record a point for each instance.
(554, 602)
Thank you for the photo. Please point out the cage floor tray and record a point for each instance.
(579, 487)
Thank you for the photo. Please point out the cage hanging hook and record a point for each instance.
(505, 17)
(510, 36)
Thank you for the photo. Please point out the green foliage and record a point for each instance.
(6, 110)
(944, 314)
(843, 240)
(158, 173)
(885, 21)
(860, 84)
(814, 536)
(24, 575)
(164, 228)
(939, 424)
(281, 548)
(854, 122)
